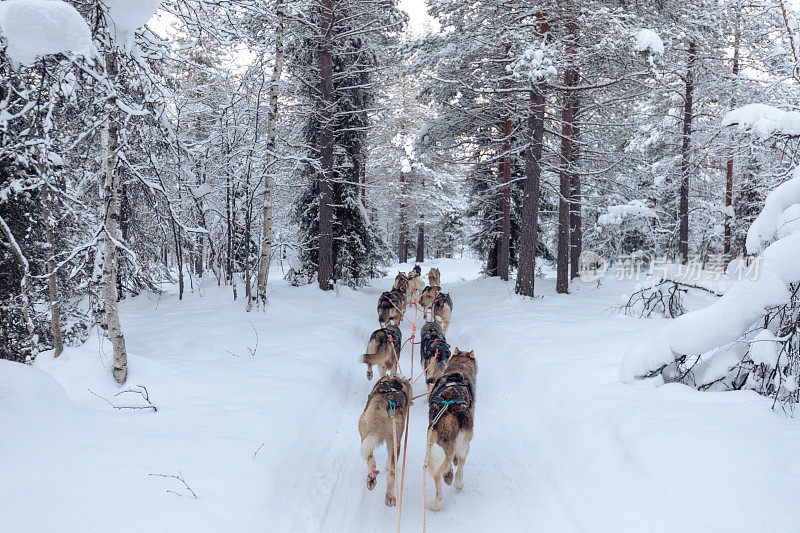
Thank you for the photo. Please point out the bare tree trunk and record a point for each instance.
(111, 193)
(326, 142)
(52, 286)
(200, 237)
(27, 312)
(683, 201)
(421, 243)
(729, 165)
(491, 262)
(364, 180)
(504, 251)
(248, 226)
(575, 200)
(269, 181)
(402, 237)
(565, 173)
(529, 230)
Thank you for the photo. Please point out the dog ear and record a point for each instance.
(456, 351)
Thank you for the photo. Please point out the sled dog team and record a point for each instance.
(450, 378)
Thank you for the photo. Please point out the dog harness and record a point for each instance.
(457, 382)
(395, 397)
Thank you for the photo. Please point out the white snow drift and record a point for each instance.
(267, 437)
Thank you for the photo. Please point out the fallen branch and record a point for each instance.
(258, 450)
(143, 393)
(179, 477)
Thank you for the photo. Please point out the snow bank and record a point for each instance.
(34, 28)
(771, 219)
(648, 41)
(764, 120)
(127, 16)
(617, 213)
(25, 386)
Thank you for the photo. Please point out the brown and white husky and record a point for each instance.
(383, 421)
(451, 415)
(383, 349)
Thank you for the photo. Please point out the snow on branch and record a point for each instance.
(763, 120)
(648, 41)
(617, 213)
(535, 65)
(35, 28)
(127, 16)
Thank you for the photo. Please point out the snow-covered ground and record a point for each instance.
(258, 413)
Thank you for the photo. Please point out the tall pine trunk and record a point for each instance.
(363, 179)
(402, 230)
(683, 195)
(726, 245)
(575, 198)
(565, 173)
(504, 250)
(529, 224)
(420, 243)
(269, 181)
(326, 142)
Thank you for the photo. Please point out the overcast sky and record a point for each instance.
(418, 15)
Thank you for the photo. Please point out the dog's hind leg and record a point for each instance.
(436, 460)
(448, 476)
(391, 467)
(462, 448)
(368, 445)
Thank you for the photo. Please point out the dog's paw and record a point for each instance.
(459, 484)
(448, 477)
(391, 501)
(435, 506)
(455, 460)
(372, 479)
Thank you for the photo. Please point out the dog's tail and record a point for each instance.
(369, 444)
(371, 358)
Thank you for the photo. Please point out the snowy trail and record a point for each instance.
(269, 441)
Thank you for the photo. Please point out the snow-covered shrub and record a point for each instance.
(664, 292)
(747, 338)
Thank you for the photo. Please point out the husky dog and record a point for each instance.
(389, 305)
(434, 352)
(451, 414)
(403, 284)
(383, 349)
(434, 277)
(440, 304)
(415, 279)
(386, 407)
